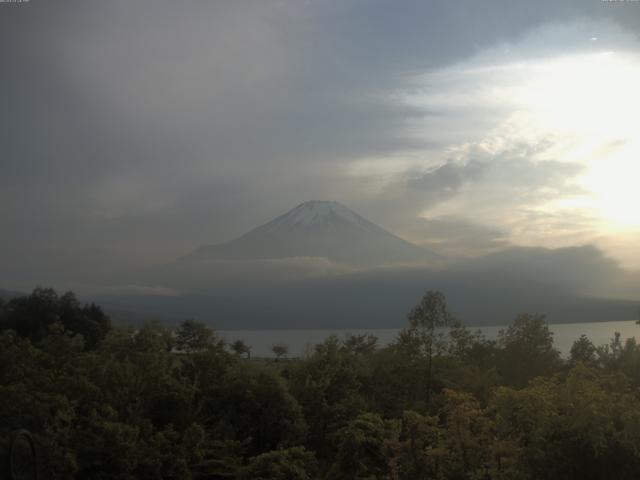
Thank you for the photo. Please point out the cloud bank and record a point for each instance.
(133, 132)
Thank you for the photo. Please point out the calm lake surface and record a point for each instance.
(301, 341)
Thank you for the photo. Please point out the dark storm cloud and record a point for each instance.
(134, 131)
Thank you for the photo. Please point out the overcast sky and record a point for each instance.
(132, 132)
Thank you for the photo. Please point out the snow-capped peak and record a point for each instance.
(319, 229)
(318, 211)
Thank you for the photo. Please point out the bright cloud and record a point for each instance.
(543, 145)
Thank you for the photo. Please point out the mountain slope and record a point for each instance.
(320, 229)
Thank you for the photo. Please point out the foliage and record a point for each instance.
(428, 315)
(361, 448)
(192, 336)
(240, 348)
(290, 464)
(527, 350)
(33, 316)
(583, 351)
(280, 350)
(439, 403)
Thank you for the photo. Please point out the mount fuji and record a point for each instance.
(323, 229)
(233, 286)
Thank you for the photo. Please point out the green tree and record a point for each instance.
(252, 403)
(586, 426)
(360, 344)
(469, 436)
(330, 386)
(619, 356)
(293, 463)
(152, 337)
(192, 336)
(362, 448)
(87, 320)
(430, 314)
(527, 350)
(418, 453)
(584, 351)
(280, 350)
(32, 317)
(241, 348)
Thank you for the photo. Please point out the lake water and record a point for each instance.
(301, 341)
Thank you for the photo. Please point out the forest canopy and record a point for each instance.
(440, 402)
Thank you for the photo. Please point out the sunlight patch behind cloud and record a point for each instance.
(525, 117)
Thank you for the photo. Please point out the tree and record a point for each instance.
(34, 315)
(431, 313)
(583, 350)
(330, 386)
(88, 320)
(419, 453)
(619, 356)
(289, 464)
(192, 336)
(3, 314)
(241, 348)
(362, 344)
(585, 426)
(152, 337)
(251, 403)
(361, 450)
(468, 436)
(527, 349)
(30, 316)
(280, 350)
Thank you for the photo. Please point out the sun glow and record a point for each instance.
(595, 99)
(614, 181)
(592, 102)
(581, 109)
(590, 94)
